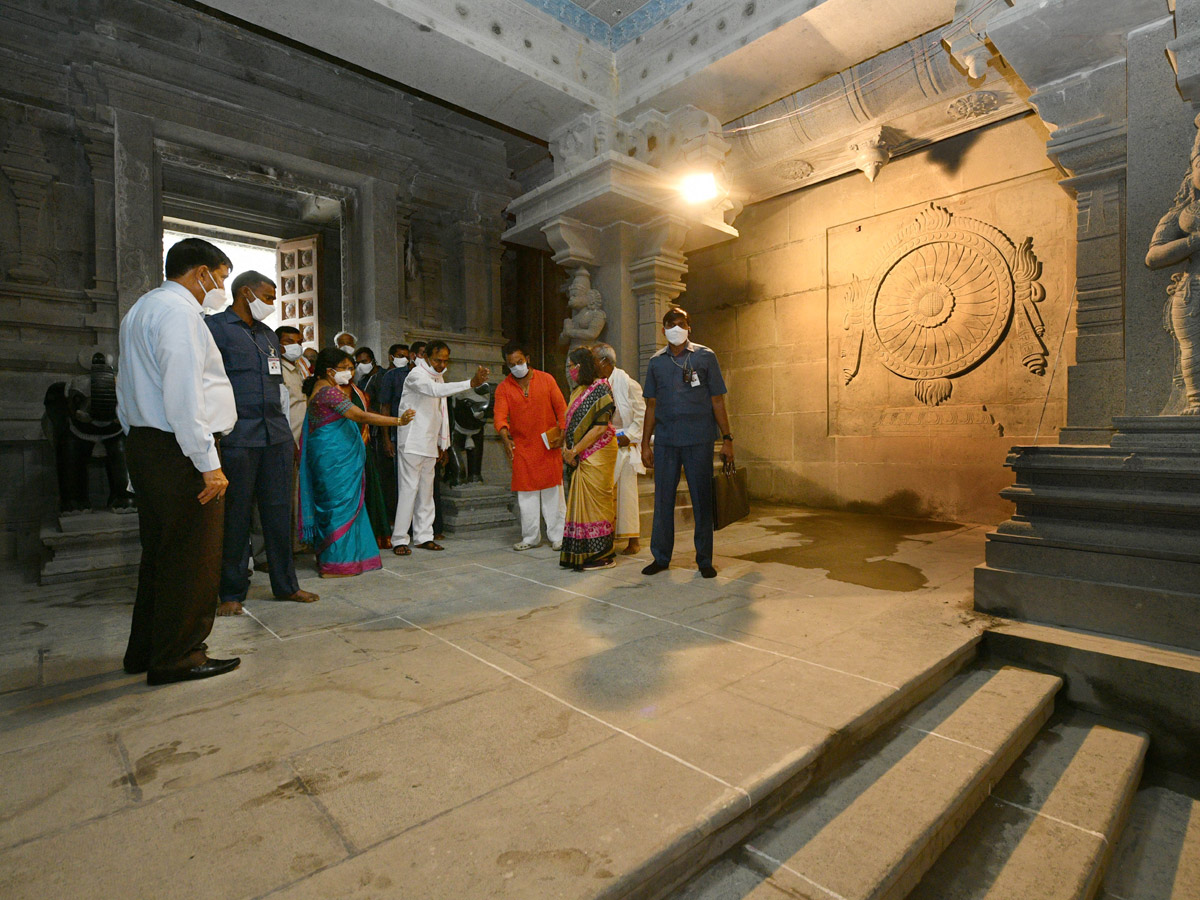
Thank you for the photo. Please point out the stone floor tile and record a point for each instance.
(392, 778)
(236, 838)
(581, 830)
(573, 628)
(46, 788)
(645, 678)
(752, 746)
(832, 700)
(253, 726)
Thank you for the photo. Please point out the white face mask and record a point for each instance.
(346, 348)
(216, 298)
(365, 368)
(293, 352)
(520, 370)
(343, 376)
(400, 361)
(260, 309)
(676, 335)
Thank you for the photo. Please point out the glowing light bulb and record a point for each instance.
(699, 187)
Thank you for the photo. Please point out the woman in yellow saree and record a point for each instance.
(589, 458)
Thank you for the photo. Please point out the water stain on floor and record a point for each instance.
(852, 548)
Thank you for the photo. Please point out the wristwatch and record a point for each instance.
(727, 437)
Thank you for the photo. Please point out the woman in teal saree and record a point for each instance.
(333, 485)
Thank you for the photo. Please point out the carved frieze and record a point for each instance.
(941, 300)
(974, 105)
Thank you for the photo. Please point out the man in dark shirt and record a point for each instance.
(685, 414)
(257, 454)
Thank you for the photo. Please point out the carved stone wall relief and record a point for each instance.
(941, 299)
(29, 175)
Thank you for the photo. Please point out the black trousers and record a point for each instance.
(181, 555)
(262, 477)
(696, 461)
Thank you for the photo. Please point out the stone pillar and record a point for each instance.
(30, 176)
(657, 279)
(476, 261)
(137, 208)
(431, 256)
(404, 302)
(373, 313)
(98, 145)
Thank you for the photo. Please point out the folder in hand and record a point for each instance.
(552, 437)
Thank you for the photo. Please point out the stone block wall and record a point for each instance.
(774, 304)
(114, 115)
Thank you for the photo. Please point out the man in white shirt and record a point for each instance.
(631, 412)
(422, 443)
(174, 401)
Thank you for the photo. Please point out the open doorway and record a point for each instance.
(244, 256)
(293, 264)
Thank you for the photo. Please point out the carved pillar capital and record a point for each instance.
(574, 243)
(1184, 51)
(657, 279)
(966, 37)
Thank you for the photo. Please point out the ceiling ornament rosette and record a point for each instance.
(942, 299)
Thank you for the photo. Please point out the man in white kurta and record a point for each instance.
(425, 439)
(631, 412)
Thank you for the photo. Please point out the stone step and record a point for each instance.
(1140, 613)
(1049, 827)
(874, 829)
(1152, 687)
(1158, 856)
(1110, 565)
(94, 545)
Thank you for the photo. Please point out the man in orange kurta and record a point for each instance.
(529, 404)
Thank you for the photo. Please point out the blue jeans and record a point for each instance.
(696, 461)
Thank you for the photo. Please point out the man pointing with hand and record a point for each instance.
(175, 401)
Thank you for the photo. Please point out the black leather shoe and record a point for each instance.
(653, 569)
(133, 670)
(206, 669)
(708, 571)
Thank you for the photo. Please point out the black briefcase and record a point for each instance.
(730, 496)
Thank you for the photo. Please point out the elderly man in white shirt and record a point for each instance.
(631, 414)
(422, 443)
(174, 401)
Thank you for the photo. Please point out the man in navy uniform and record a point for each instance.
(257, 454)
(685, 414)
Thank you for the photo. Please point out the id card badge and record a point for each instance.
(695, 382)
(274, 366)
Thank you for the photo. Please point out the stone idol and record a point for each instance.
(469, 413)
(587, 315)
(81, 415)
(1175, 240)
(940, 301)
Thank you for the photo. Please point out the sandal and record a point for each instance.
(431, 545)
(402, 550)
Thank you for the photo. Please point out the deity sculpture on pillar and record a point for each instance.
(587, 314)
(1175, 240)
(80, 415)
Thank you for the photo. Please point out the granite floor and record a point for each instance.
(473, 723)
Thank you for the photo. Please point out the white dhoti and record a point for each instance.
(546, 504)
(625, 490)
(414, 505)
